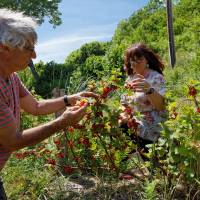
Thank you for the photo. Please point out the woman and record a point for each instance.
(145, 78)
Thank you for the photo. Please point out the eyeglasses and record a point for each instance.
(31, 49)
(133, 61)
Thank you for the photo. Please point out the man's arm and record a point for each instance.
(13, 140)
(43, 107)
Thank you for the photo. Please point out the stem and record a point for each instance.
(65, 134)
(196, 102)
(104, 146)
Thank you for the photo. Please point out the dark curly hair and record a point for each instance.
(141, 50)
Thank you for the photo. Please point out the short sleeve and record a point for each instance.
(158, 83)
(23, 91)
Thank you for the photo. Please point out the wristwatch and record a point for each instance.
(66, 101)
(150, 91)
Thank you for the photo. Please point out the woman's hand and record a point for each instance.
(140, 84)
(123, 118)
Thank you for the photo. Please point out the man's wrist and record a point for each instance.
(62, 122)
(66, 100)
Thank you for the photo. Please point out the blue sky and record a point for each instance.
(83, 21)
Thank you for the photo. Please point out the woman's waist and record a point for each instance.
(154, 115)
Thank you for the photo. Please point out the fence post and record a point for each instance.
(170, 33)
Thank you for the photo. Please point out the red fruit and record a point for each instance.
(126, 176)
(106, 90)
(51, 161)
(82, 103)
(198, 109)
(57, 142)
(80, 140)
(60, 155)
(86, 142)
(71, 143)
(128, 110)
(19, 155)
(97, 126)
(67, 169)
(70, 129)
(78, 126)
(78, 159)
(132, 124)
(192, 91)
(25, 153)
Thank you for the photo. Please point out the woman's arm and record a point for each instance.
(156, 100)
(141, 85)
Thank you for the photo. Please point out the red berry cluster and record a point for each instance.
(192, 91)
(133, 124)
(107, 90)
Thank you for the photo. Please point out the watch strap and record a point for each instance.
(66, 101)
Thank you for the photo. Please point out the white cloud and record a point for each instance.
(58, 48)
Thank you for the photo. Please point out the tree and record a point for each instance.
(36, 8)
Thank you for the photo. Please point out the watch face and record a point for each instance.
(151, 90)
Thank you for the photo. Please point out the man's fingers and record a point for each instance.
(73, 108)
(81, 109)
(89, 94)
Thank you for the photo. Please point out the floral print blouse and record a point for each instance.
(149, 124)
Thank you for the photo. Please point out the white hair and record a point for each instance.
(16, 29)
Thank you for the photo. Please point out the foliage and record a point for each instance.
(52, 76)
(37, 8)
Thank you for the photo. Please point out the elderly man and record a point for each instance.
(17, 40)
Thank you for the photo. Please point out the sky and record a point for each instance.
(83, 21)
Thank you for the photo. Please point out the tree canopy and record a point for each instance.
(36, 8)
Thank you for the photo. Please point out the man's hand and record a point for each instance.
(73, 115)
(75, 97)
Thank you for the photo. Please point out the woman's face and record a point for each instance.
(138, 65)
